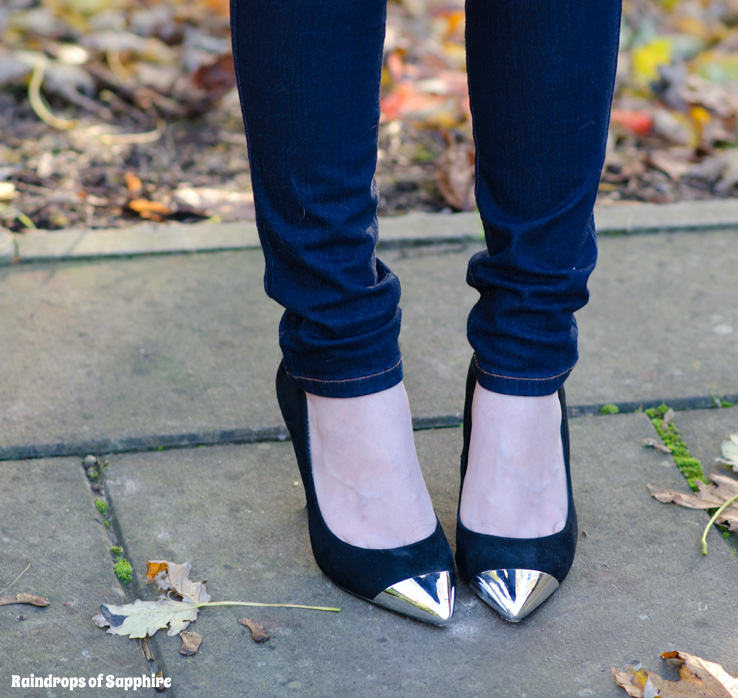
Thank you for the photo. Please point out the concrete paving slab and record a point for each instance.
(121, 354)
(48, 521)
(100, 352)
(128, 354)
(638, 586)
(662, 320)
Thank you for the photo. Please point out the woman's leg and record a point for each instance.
(308, 74)
(541, 77)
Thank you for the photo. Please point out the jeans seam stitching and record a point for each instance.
(516, 378)
(347, 380)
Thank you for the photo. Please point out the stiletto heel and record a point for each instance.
(514, 575)
(417, 580)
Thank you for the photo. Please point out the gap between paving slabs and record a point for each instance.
(94, 468)
(689, 466)
(94, 465)
(159, 442)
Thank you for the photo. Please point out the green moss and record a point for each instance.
(609, 409)
(116, 550)
(424, 155)
(102, 506)
(725, 403)
(123, 570)
(690, 467)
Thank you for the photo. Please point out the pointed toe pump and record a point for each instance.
(416, 580)
(515, 575)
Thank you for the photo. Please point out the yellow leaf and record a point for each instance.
(648, 58)
(701, 117)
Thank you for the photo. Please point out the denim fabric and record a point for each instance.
(541, 78)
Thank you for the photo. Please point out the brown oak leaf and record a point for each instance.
(24, 598)
(708, 496)
(191, 642)
(258, 634)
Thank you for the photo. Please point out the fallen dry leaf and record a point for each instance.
(191, 642)
(729, 449)
(673, 162)
(176, 577)
(652, 443)
(24, 598)
(216, 77)
(208, 202)
(698, 678)
(455, 176)
(143, 618)
(632, 680)
(708, 496)
(637, 121)
(154, 567)
(133, 183)
(154, 210)
(668, 418)
(7, 191)
(258, 634)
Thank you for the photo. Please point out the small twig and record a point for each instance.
(16, 579)
(135, 138)
(37, 101)
(713, 520)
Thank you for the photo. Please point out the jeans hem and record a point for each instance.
(351, 387)
(515, 385)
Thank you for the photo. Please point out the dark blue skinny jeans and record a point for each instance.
(541, 75)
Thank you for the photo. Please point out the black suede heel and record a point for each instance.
(514, 575)
(416, 580)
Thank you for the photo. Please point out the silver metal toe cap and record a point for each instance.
(428, 597)
(514, 593)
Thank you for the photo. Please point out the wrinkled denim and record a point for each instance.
(541, 78)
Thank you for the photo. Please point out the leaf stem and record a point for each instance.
(16, 579)
(271, 605)
(722, 508)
